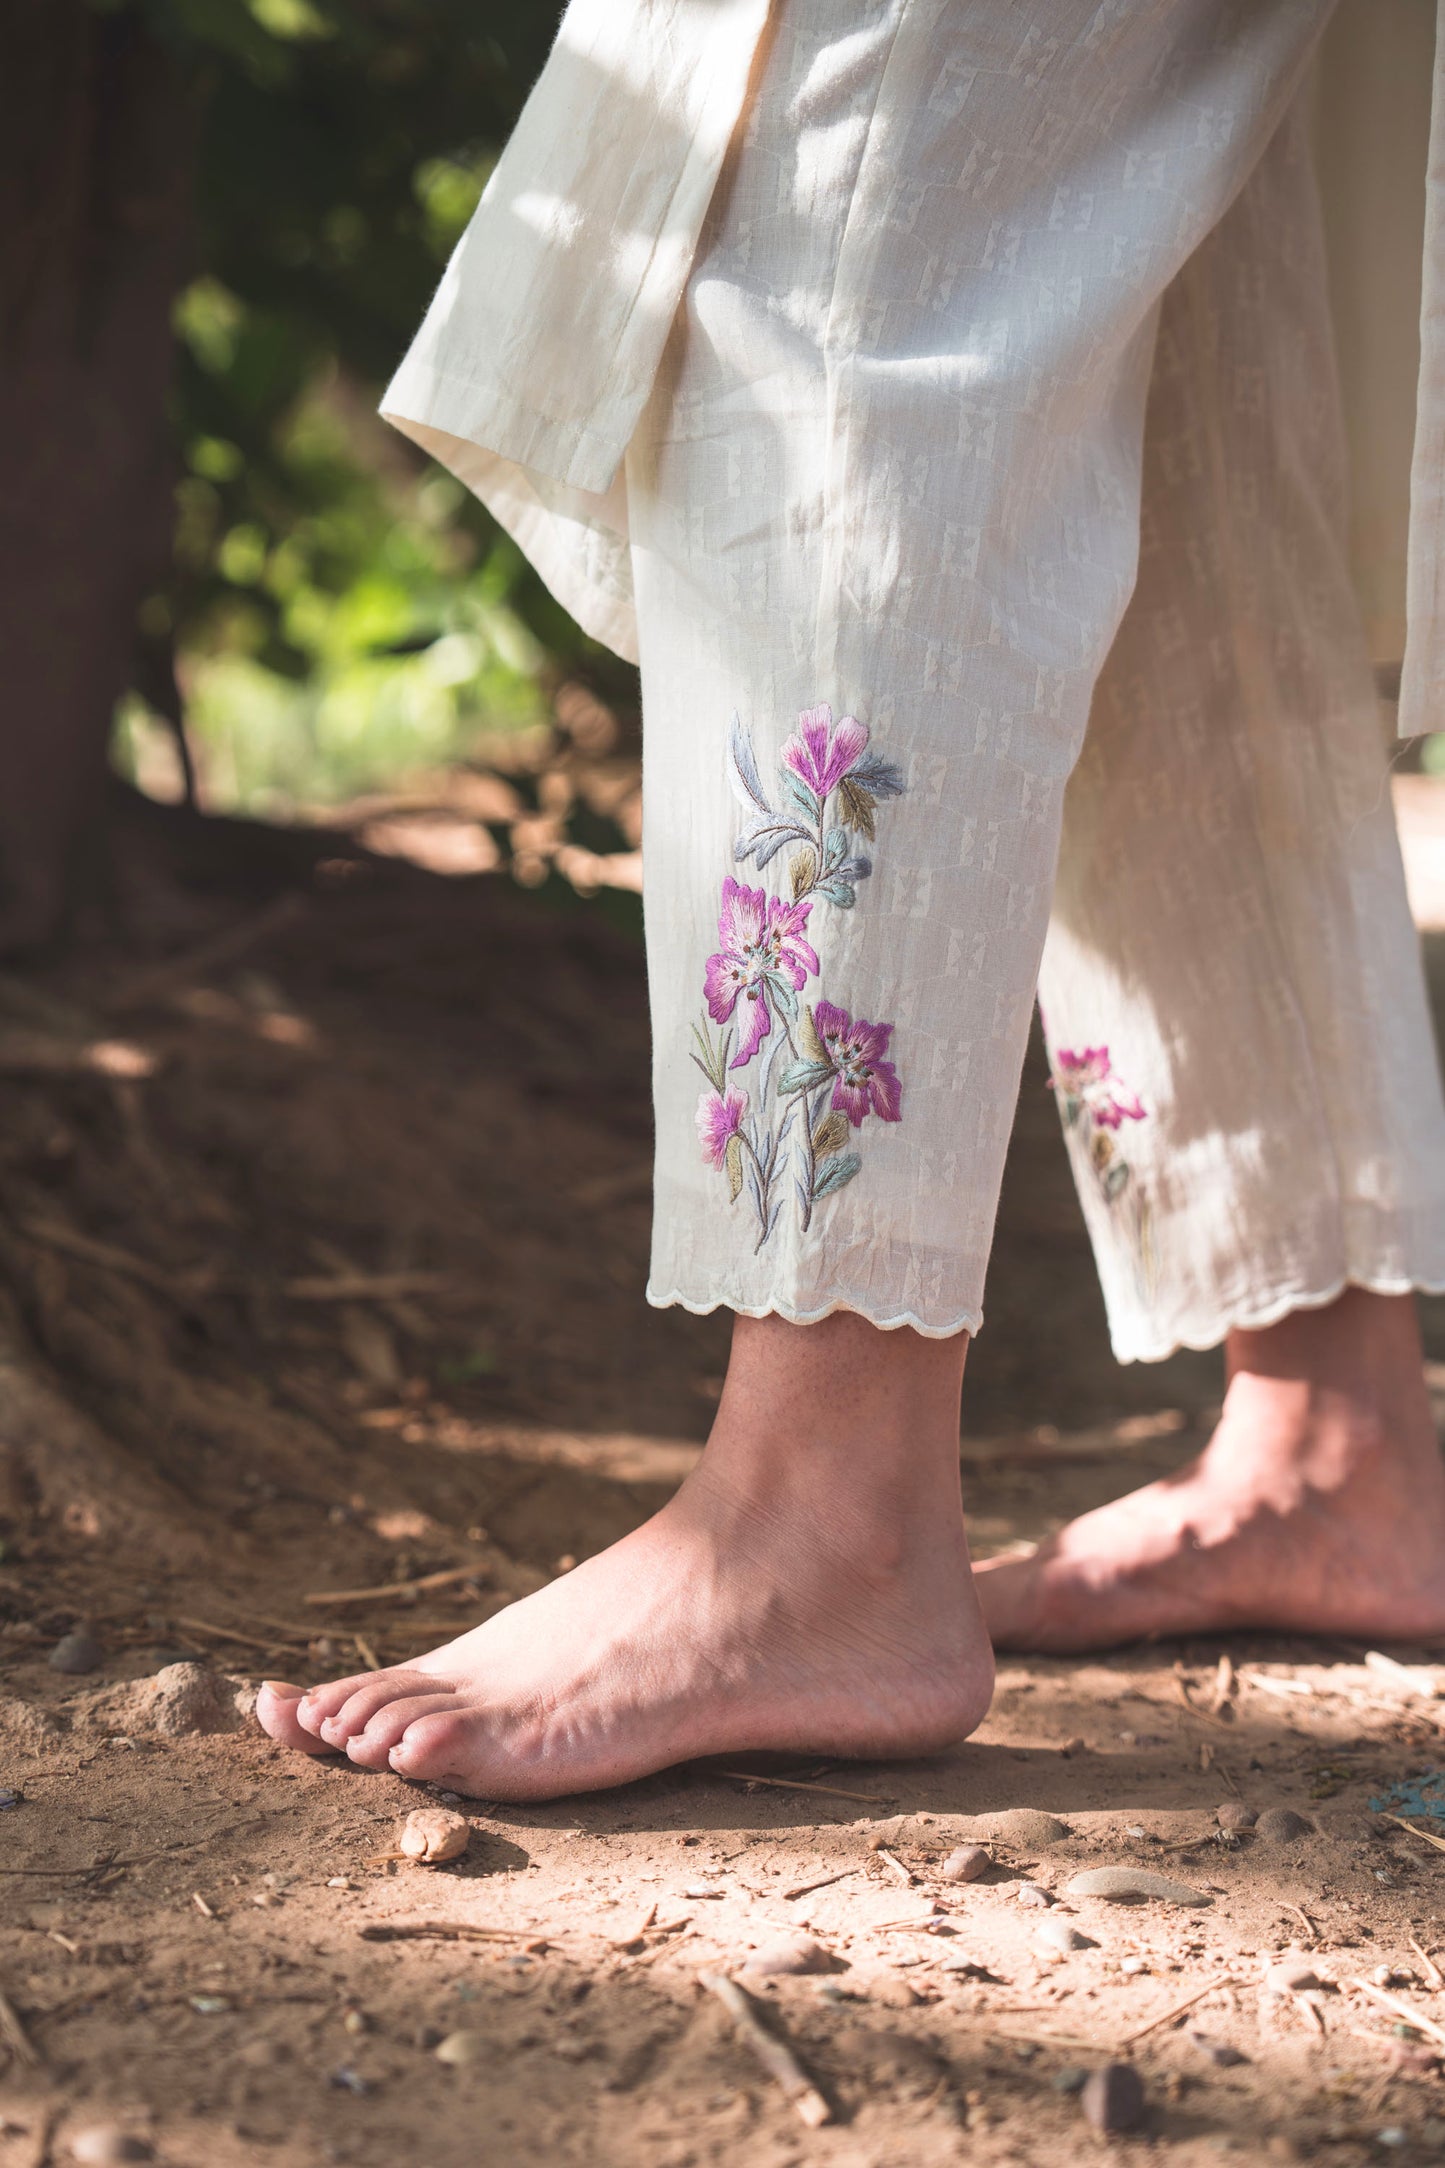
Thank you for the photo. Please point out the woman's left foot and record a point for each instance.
(808, 1590)
(1318, 1506)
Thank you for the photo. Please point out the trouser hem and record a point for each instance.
(968, 1321)
(1268, 1309)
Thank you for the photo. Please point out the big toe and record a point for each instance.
(276, 1707)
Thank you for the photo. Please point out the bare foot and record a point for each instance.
(807, 1589)
(1318, 1506)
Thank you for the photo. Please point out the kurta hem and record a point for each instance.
(969, 1321)
(1269, 1309)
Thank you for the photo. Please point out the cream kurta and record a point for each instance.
(542, 343)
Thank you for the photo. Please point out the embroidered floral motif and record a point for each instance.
(803, 1109)
(1095, 1103)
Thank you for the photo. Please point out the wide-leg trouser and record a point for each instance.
(995, 310)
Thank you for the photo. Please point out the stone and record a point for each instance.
(1032, 1897)
(787, 1954)
(893, 1993)
(1062, 1936)
(1025, 1828)
(76, 1653)
(187, 1700)
(1291, 1974)
(434, 1835)
(1219, 2052)
(99, 2144)
(1113, 2098)
(460, 2048)
(1281, 1825)
(968, 1864)
(1234, 1814)
(1133, 1886)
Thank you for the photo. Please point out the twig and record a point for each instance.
(245, 1641)
(392, 1590)
(1300, 1913)
(797, 1784)
(205, 1910)
(1438, 1842)
(896, 1867)
(183, 1288)
(1045, 2039)
(1175, 2010)
(1433, 1973)
(806, 1889)
(1288, 1689)
(444, 1931)
(1401, 2009)
(366, 1286)
(367, 1653)
(221, 948)
(776, 2057)
(16, 2038)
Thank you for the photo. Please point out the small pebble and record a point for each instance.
(1219, 2052)
(1070, 2080)
(434, 1835)
(1061, 1935)
(355, 2021)
(1291, 1974)
(968, 1864)
(76, 1653)
(788, 1954)
(1134, 1885)
(1032, 1897)
(700, 1891)
(1281, 1825)
(1113, 2098)
(462, 2047)
(102, 2143)
(1234, 1814)
(893, 1993)
(1131, 1967)
(347, 2080)
(1071, 1747)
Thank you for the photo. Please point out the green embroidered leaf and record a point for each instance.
(837, 1174)
(857, 807)
(803, 872)
(1116, 1181)
(1071, 1108)
(801, 1076)
(711, 1060)
(808, 1038)
(840, 892)
(831, 1134)
(733, 1164)
(784, 997)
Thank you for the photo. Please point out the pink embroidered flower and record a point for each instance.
(866, 1083)
(820, 752)
(763, 953)
(1089, 1078)
(719, 1118)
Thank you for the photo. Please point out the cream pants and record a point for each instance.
(996, 636)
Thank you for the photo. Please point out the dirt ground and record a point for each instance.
(324, 1235)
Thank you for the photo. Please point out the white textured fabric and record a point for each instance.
(883, 506)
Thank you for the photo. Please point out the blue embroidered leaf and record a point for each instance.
(772, 1219)
(784, 1126)
(882, 777)
(784, 998)
(801, 1076)
(801, 1189)
(856, 868)
(743, 770)
(800, 796)
(837, 1174)
(756, 1187)
(1071, 1108)
(1116, 1181)
(764, 837)
(773, 1046)
(840, 892)
(835, 848)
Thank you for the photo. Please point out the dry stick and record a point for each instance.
(367, 1653)
(366, 1286)
(1438, 1842)
(445, 1931)
(1435, 1976)
(246, 1641)
(391, 1590)
(16, 2038)
(775, 2056)
(1401, 2009)
(183, 1288)
(796, 1784)
(221, 948)
(1046, 2039)
(896, 1867)
(1176, 2010)
(806, 1889)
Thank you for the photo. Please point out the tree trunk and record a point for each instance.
(98, 130)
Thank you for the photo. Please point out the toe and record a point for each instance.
(276, 1713)
(452, 1746)
(371, 1747)
(320, 1703)
(369, 1694)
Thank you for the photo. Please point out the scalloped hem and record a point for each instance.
(1270, 1310)
(968, 1321)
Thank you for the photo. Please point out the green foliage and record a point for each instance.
(339, 611)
